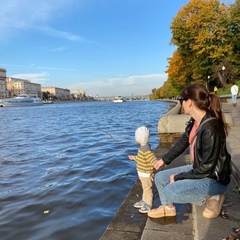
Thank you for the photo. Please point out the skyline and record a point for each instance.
(105, 47)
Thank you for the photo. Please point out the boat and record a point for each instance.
(21, 100)
(47, 102)
(118, 99)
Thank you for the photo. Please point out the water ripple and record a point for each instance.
(64, 167)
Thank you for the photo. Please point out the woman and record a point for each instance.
(206, 179)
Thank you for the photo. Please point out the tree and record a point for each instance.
(179, 72)
(45, 95)
(153, 90)
(234, 26)
(207, 36)
(200, 34)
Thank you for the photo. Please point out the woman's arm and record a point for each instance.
(207, 149)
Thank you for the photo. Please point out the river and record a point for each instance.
(64, 167)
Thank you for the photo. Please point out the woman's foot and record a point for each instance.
(162, 211)
(213, 207)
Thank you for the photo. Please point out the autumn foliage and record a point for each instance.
(207, 36)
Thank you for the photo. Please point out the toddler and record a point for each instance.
(145, 160)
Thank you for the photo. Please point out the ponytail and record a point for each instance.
(206, 101)
(215, 107)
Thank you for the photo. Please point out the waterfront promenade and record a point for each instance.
(189, 223)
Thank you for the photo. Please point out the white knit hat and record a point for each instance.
(142, 135)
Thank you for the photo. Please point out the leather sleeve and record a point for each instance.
(207, 150)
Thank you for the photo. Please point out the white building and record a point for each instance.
(79, 93)
(16, 86)
(57, 92)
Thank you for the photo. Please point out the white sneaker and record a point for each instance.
(139, 204)
(145, 208)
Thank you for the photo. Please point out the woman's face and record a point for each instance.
(186, 105)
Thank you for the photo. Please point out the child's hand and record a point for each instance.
(131, 157)
(159, 164)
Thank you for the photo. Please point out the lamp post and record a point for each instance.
(207, 82)
(223, 69)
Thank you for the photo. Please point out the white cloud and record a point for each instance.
(125, 86)
(60, 34)
(59, 49)
(40, 78)
(136, 85)
(34, 15)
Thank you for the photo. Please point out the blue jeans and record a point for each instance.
(194, 191)
(234, 98)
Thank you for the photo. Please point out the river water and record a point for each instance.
(64, 167)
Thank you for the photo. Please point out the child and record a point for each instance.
(145, 160)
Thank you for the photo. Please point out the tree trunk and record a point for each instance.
(221, 78)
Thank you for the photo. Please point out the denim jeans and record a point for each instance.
(194, 191)
(234, 98)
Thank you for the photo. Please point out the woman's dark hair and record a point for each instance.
(205, 101)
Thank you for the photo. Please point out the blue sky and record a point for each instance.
(106, 47)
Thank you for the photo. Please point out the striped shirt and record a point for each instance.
(145, 159)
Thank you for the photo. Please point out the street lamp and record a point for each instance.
(223, 69)
(208, 81)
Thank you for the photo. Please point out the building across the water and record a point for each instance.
(79, 93)
(3, 86)
(13, 87)
(16, 87)
(59, 93)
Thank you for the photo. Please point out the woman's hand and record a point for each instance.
(172, 178)
(158, 164)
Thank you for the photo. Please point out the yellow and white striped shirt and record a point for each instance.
(145, 159)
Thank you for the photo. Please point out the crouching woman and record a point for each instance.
(206, 179)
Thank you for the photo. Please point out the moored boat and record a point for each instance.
(47, 102)
(118, 99)
(21, 100)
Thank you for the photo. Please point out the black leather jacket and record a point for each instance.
(211, 158)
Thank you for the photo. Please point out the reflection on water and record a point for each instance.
(62, 176)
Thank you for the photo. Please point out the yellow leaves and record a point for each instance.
(198, 21)
(201, 31)
(177, 69)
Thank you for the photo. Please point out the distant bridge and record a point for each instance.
(127, 98)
